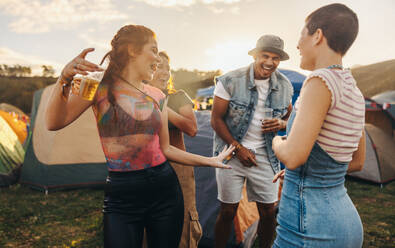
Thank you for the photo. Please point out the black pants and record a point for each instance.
(150, 199)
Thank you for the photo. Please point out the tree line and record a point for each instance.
(17, 88)
(24, 71)
(191, 81)
(19, 91)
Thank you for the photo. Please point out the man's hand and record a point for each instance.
(246, 157)
(273, 125)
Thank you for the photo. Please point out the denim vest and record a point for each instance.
(240, 84)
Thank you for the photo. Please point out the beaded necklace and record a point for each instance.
(335, 67)
(147, 97)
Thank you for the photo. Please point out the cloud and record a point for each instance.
(220, 1)
(33, 16)
(233, 10)
(96, 43)
(169, 3)
(184, 3)
(11, 57)
(229, 55)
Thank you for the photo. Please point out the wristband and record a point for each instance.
(63, 91)
(237, 146)
(65, 82)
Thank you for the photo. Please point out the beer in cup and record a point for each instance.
(267, 114)
(85, 86)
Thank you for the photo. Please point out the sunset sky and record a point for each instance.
(197, 34)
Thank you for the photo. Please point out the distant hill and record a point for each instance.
(19, 91)
(375, 78)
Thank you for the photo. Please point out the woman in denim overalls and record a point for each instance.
(315, 210)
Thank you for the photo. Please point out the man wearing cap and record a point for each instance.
(240, 99)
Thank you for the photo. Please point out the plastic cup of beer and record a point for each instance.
(88, 84)
(267, 114)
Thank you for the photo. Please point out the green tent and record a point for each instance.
(68, 158)
(11, 154)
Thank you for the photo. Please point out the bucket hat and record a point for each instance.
(270, 43)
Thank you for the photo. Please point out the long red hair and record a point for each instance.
(136, 36)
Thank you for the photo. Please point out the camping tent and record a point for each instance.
(11, 154)
(379, 164)
(13, 124)
(387, 100)
(68, 158)
(209, 91)
(18, 123)
(381, 113)
(6, 107)
(296, 79)
(245, 223)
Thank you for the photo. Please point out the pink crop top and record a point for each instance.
(129, 130)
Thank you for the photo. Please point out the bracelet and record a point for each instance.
(237, 146)
(63, 91)
(65, 80)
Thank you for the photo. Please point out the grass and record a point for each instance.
(376, 206)
(29, 218)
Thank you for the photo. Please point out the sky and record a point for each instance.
(197, 34)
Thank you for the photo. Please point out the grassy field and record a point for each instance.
(29, 218)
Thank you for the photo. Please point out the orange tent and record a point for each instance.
(17, 124)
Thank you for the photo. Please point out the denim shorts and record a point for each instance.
(258, 180)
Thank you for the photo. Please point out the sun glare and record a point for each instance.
(229, 55)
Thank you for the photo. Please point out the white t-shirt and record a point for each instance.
(253, 138)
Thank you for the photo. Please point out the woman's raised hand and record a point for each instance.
(217, 161)
(280, 175)
(79, 65)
